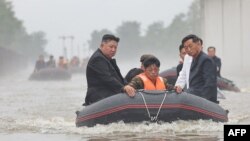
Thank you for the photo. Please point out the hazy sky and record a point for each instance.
(79, 18)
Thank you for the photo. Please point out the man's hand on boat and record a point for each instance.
(178, 89)
(129, 90)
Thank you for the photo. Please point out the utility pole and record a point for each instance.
(63, 38)
(84, 50)
(78, 51)
(72, 46)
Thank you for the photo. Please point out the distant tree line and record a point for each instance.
(158, 39)
(14, 37)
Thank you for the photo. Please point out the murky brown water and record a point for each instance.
(32, 110)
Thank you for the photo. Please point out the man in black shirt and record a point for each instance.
(211, 53)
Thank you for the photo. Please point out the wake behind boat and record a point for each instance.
(150, 106)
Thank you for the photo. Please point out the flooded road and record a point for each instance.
(45, 110)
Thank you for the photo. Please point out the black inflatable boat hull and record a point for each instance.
(120, 107)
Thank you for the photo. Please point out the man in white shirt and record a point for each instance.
(183, 78)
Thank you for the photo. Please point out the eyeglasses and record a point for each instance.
(152, 69)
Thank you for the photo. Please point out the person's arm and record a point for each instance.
(135, 83)
(219, 63)
(181, 79)
(219, 66)
(178, 69)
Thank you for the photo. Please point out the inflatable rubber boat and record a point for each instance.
(150, 106)
(51, 74)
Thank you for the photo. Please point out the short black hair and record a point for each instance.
(145, 56)
(201, 41)
(181, 47)
(211, 47)
(151, 61)
(195, 39)
(108, 37)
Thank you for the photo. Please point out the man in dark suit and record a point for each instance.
(103, 75)
(211, 53)
(202, 77)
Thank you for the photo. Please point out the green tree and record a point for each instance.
(158, 39)
(130, 40)
(9, 25)
(13, 35)
(194, 17)
(155, 37)
(182, 25)
(96, 37)
(36, 43)
(175, 32)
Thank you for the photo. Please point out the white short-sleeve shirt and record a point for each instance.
(183, 78)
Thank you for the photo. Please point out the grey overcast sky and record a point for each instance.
(79, 18)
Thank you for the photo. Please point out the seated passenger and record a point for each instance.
(135, 71)
(51, 63)
(75, 62)
(63, 63)
(149, 79)
(40, 64)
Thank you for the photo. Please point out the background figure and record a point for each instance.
(62, 63)
(51, 63)
(74, 62)
(182, 55)
(211, 53)
(40, 63)
(135, 71)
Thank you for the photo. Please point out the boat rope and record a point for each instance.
(153, 118)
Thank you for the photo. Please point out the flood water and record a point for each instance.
(45, 110)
